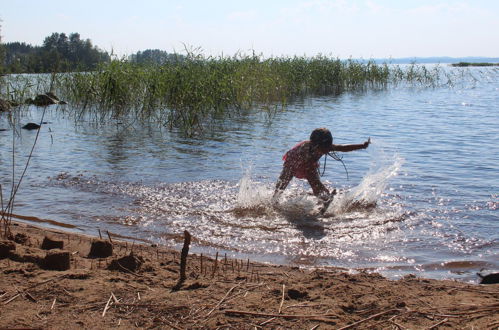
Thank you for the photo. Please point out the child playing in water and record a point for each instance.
(302, 162)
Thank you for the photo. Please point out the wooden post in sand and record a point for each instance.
(183, 260)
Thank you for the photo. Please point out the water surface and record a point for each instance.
(422, 199)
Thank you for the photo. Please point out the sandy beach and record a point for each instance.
(138, 287)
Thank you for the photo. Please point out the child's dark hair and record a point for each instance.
(321, 137)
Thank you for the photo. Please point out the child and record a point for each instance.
(302, 161)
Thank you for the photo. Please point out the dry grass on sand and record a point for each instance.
(218, 294)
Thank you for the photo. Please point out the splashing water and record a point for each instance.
(252, 194)
(240, 218)
(371, 188)
(295, 202)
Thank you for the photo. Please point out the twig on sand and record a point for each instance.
(437, 324)
(391, 320)
(126, 269)
(107, 305)
(368, 318)
(12, 298)
(29, 296)
(282, 298)
(141, 305)
(25, 291)
(316, 317)
(268, 321)
(222, 300)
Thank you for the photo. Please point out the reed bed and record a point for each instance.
(187, 92)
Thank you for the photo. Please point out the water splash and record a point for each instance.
(256, 197)
(369, 191)
(252, 193)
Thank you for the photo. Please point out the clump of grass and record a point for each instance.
(17, 88)
(186, 92)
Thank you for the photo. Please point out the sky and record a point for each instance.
(338, 28)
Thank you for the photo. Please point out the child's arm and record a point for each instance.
(350, 147)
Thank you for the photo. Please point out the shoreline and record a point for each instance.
(465, 269)
(218, 292)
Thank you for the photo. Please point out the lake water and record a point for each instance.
(431, 173)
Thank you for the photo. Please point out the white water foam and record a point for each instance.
(296, 201)
(372, 187)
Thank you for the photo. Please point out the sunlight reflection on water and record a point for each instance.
(432, 174)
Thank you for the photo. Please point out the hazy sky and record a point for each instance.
(363, 28)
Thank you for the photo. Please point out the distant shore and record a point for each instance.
(465, 64)
(217, 292)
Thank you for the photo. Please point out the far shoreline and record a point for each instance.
(478, 64)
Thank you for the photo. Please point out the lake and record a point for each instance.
(422, 199)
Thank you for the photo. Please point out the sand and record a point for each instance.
(143, 291)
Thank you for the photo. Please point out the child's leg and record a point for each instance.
(283, 181)
(317, 187)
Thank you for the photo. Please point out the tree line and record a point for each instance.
(67, 53)
(59, 53)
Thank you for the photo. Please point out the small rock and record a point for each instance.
(44, 100)
(4, 105)
(31, 126)
(489, 279)
(52, 96)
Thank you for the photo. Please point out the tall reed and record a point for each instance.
(186, 92)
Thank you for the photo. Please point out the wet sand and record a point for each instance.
(217, 292)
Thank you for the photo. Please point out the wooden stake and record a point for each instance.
(109, 235)
(183, 260)
(215, 266)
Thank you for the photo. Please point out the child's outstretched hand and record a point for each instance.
(367, 143)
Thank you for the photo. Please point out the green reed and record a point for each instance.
(189, 91)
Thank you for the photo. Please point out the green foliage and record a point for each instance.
(2, 58)
(59, 53)
(2, 52)
(187, 93)
(154, 56)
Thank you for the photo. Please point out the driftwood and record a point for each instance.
(183, 260)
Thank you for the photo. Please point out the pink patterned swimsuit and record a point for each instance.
(300, 161)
